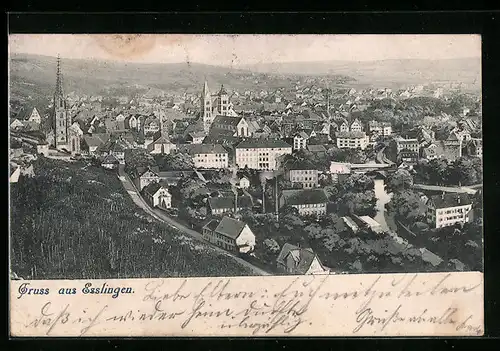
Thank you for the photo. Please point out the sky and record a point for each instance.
(239, 50)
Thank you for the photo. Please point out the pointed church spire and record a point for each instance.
(59, 90)
(206, 91)
(222, 90)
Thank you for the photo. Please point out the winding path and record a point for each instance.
(159, 215)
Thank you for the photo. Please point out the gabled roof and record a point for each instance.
(260, 144)
(227, 120)
(316, 148)
(346, 134)
(300, 165)
(230, 227)
(430, 257)
(303, 258)
(141, 171)
(451, 200)
(222, 90)
(302, 135)
(152, 188)
(207, 149)
(228, 202)
(304, 196)
(162, 140)
(110, 159)
(211, 225)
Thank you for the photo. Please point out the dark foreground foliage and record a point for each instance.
(76, 221)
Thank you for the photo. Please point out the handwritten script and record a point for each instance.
(309, 305)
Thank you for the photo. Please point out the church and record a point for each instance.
(214, 105)
(64, 135)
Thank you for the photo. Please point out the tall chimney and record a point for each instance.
(276, 199)
(235, 191)
(263, 197)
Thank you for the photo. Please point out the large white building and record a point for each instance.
(209, 156)
(407, 144)
(303, 173)
(352, 140)
(449, 209)
(260, 154)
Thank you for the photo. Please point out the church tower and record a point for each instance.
(206, 108)
(60, 113)
(222, 102)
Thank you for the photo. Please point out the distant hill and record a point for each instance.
(399, 72)
(35, 75)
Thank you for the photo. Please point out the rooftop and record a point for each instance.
(228, 202)
(227, 120)
(262, 144)
(447, 200)
(351, 135)
(304, 196)
(302, 257)
(230, 227)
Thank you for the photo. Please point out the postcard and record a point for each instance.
(245, 185)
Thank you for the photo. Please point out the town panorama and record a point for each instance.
(229, 173)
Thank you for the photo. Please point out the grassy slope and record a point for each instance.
(71, 223)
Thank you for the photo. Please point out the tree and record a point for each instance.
(359, 203)
(442, 131)
(187, 188)
(271, 247)
(437, 171)
(177, 161)
(407, 206)
(135, 158)
(398, 181)
(462, 172)
(357, 182)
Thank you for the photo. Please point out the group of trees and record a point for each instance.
(175, 161)
(405, 205)
(346, 155)
(356, 195)
(462, 171)
(135, 158)
(75, 224)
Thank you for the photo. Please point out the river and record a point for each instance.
(382, 199)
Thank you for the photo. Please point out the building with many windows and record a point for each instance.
(380, 128)
(207, 155)
(300, 140)
(214, 105)
(407, 144)
(230, 234)
(306, 201)
(303, 173)
(449, 209)
(352, 140)
(260, 154)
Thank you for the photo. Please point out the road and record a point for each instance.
(159, 215)
(447, 189)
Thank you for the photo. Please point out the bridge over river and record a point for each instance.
(449, 189)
